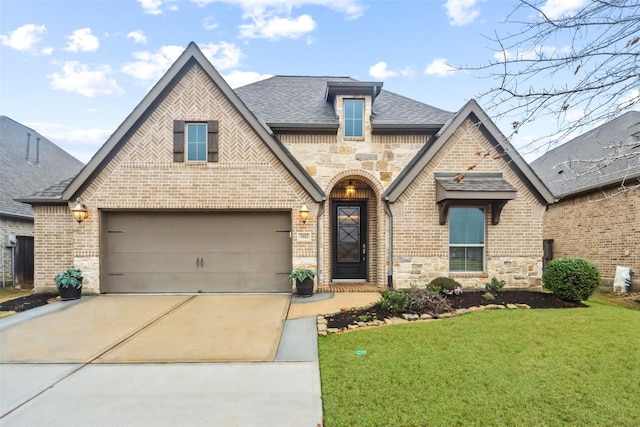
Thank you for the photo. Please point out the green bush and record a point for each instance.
(571, 279)
(494, 285)
(423, 301)
(394, 301)
(443, 283)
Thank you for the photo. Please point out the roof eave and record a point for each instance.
(599, 186)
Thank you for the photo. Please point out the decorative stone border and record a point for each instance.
(323, 330)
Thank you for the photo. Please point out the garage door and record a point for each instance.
(197, 252)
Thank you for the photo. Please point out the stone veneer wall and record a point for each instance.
(602, 227)
(142, 175)
(513, 248)
(15, 226)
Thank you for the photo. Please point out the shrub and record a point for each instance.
(394, 301)
(494, 285)
(443, 283)
(424, 301)
(571, 279)
(488, 296)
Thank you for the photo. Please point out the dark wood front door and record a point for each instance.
(349, 240)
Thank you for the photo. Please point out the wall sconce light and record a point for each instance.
(80, 212)
(350, 190)
(304, 213)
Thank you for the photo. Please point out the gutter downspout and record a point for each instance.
(387, 210)
(318, 231)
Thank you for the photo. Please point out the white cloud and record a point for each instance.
(253, 8)
(47, 51)
(381, 71)
(79, 78)
(137, 37)
(274, 28)
(151, 66)
(209, 24)
(534, 54)
(23, 38)
(555, 9)
(461, 12)
(83, 41)
(223, 55)
(240, 78)
(439, 67)
(151, 7)
(80, 143)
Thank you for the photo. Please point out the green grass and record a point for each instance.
(562, 367)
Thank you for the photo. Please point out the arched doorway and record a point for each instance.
(353, 231)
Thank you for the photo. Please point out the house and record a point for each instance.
(208, 189)
(596, 179)
(28, 162)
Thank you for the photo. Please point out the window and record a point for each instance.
(196, 142)
(353, 118)
(466, 239)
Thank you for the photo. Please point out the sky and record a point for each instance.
(74, 70)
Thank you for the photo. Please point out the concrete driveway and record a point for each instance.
(129, 360)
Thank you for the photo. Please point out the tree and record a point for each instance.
(580, 67)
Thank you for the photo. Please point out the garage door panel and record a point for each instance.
(197, 252)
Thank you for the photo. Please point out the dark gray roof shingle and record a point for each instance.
(603, 156)
(475, 182)
(21, 176)
(300, 100)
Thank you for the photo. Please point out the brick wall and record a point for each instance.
(602, 227)
(513, 248)
(142, 175)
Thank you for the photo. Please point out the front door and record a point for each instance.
(349, 240)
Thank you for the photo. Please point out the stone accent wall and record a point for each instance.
(142, 175)
(602, 227)
(15, 226)
(513, 248)
(54, 230)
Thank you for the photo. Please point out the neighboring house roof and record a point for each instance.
(186, 60)
(22, 173)
(293, 102)
(472, 111)
(604, 156)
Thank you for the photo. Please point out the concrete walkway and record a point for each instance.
(110, 373)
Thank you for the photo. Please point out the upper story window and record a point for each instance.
(353, 118)
(466, 239)
(196, 142)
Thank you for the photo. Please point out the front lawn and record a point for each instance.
(552, 367)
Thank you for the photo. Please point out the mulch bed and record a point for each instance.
(534, 299)
(27, 302)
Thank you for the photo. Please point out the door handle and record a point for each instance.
(364, 249)
(201, 262)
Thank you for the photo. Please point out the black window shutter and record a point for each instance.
(178, 140)
(212, 141)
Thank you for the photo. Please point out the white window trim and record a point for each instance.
(186, 142)
(471, 245)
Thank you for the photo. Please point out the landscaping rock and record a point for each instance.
(523, 306)
(511, 306)
(322, 327)
(333, 330)
(408, 316)
(494, 307)
(463, 311)
(352, 327)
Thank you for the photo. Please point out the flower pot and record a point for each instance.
(305, 288)
(70, 293)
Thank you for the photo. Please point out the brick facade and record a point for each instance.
(602, 227)
(141, 174)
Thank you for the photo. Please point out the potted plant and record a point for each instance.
(69, 284)
(304, 281)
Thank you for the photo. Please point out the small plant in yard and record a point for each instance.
(488, 296)
(69, 278)
(571, 279)
(443, 283)
(394, 301)
(422, 301)
(494, 285)
(366, 317)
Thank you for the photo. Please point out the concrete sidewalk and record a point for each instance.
(284, 391)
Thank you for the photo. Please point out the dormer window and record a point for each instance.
(353, 118)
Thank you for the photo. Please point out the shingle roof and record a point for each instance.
(300, 100)
(603, 156)
(489, 182)
(21, 176)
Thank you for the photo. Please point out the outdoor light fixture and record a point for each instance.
(304, 213)
(80, 212)
(350, 190)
